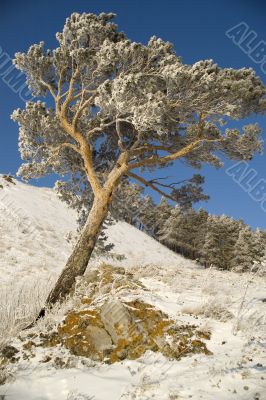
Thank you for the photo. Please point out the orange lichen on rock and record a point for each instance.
(120, 330)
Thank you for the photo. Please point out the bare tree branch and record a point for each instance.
(151, 185)
(170, 185)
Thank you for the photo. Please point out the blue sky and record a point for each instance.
(197, 29)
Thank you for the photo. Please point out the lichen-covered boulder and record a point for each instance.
(104, 326)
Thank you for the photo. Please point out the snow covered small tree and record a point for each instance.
(162, 212)
(220, 240)
(201, 233)
(243, 255)
(212, 241)
(147, 215)
(116, 108)
(184, 193)
(259, 244)
(127, 202)
(152, 216)
(168, 232)
(260, 266)
(249, 248)
(184, 231)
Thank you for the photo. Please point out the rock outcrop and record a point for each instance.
(108, 327)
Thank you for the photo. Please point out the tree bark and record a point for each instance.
(77, 263)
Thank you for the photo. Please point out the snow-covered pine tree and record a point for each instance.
(127, 202)
(263, 236)
(167, 234)
(212, 240)
(161, 212)
(201, 230)
(249, 248)
(259, 244)
(116, 108)
(186, 193)
(190, 192)
(220, 240)
(243, 257)
(260, 266)
(147, 215)
(184, 231)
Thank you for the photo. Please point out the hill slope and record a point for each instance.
(229, 306)
(33, 228)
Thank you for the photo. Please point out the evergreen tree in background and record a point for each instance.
(217, 241)
(162, 213)
(187, 233)
(147, 215)
(249, 248)
(243, 256)
(201, 229)
(183, 231)
(259, 244)
(168, 233)
(212, 240)
(127, 203)
(220, 240)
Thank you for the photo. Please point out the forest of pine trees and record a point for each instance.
(218, 241)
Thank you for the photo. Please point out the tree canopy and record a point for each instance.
(121, 105)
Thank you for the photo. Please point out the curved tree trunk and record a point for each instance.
(77, 263)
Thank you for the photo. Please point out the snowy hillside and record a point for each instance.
(228, 307)
(34, 224)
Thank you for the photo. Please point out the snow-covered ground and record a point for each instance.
(33, 227)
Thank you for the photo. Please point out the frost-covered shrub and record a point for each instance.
(20, 304)
(209, 309)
